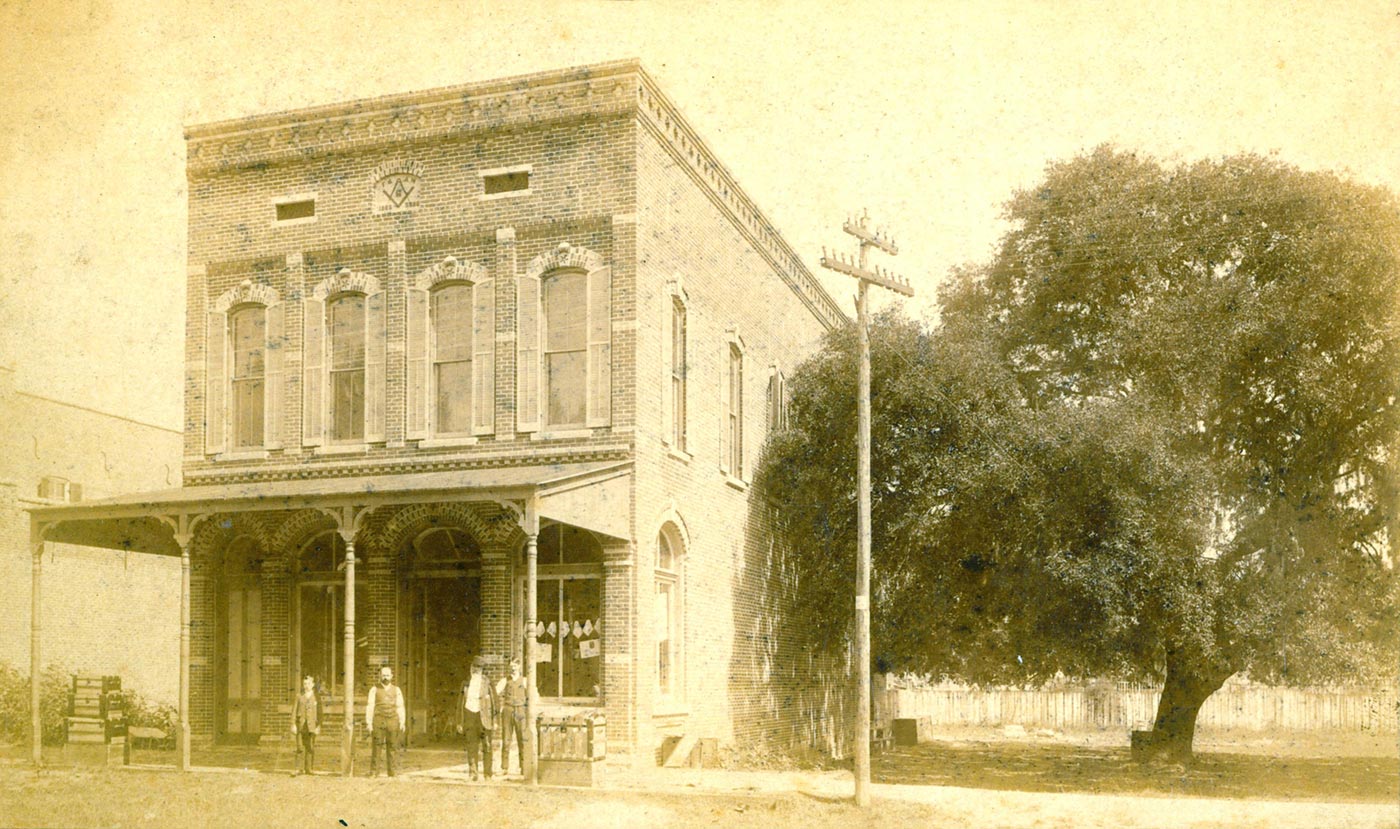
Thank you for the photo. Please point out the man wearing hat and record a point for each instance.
(384, 717)
(476, 716)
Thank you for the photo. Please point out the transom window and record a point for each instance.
(345, 317)
(248, 331)
(566, 348)
(451, 314)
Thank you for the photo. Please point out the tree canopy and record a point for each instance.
(1155, 435)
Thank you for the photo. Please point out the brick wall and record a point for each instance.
(743, 682)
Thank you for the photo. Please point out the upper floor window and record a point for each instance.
(565, 349)
(243, 370)
(677, 374)
(343, 364)
(452, 358)
(248, 332)
(564, 341)
(451, 344)
(732, 410)
(345, 317)
(777, 401)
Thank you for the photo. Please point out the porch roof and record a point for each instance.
(152, 522)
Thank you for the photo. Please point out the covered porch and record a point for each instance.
(336, 577)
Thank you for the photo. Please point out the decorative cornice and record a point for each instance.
(600, 89)
(663, 119)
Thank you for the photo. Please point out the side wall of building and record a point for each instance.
(743, 682)
(103, 610)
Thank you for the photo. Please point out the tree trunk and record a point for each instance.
(1185, 690)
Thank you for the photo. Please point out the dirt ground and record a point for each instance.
(142, 798)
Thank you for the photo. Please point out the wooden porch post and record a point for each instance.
(532, 697)
(185, 652)
(347, 750)
(36, 721)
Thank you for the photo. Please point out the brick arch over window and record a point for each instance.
(316, 357)
(287, 537)
(250, 365)
(424, 385)
(533, 337)
(397, 534)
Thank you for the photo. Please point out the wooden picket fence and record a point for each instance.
(1122, 705)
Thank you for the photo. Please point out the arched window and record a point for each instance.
(669, 631)
(345, 317)
(564, 342)
(565, 349)
(450, 335)
(732, 409)
(451, 314)
(673, 367)
(248, 332)
(243, 370)
(344, 360)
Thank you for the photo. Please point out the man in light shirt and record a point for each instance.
(384, 717)
(476, 717)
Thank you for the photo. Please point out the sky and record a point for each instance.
(928, 115)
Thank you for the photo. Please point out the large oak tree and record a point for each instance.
(1156, 435)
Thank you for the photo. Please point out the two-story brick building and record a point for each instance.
(441, 340)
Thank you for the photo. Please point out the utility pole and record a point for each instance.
(866, 277)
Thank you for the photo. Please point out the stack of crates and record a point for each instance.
(97, 712)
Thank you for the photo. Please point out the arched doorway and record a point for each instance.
(440, 627)
(318, 616)
(238, 697)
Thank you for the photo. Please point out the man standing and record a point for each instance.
(306, 724)
(384, 717)
(476, 717)
(512, 693)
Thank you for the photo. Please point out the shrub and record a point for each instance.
(14, 704)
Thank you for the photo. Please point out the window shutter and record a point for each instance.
(417, 333)
(484, 358)
(668, 336)
(376, 336)
(724, 405)
(599, 347)
(215, 382)
(527, 354)
(272, 380)
(313, 380)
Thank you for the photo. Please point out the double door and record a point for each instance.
(241, 660)
(440, 630)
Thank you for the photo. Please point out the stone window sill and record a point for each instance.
(459, 440)
(342, 449)
(737, 483)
